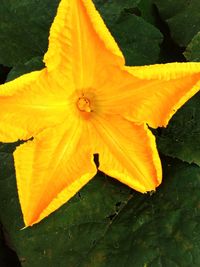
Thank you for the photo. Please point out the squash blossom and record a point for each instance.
(85, 102)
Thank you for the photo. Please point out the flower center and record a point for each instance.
(83, 104)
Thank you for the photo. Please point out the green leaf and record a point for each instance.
(107, 224)
(181, 139)
(7, 256)
(35, 63)
(182, 17)
(147, 11)
(139, 40)
(170, 8)
(161, 230)
(2, 251)
(192, 52)
(24, 28)
(111, 10)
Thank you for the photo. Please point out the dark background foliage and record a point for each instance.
(106, 224)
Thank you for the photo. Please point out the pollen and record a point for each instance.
(83, 104)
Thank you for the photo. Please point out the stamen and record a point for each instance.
(83, 104)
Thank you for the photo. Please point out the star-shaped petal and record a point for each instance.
(85, 102)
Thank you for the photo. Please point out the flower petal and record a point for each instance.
(28, 105)
(51, 169)
(78, 40)
(166, 88)
(149, 94)
(128, 153)
(168, 71)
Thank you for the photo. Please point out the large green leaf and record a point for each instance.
(7, 256)
(147, 11)
(182, 17)
(111, 10)
(181, 139)
(24, 28)
(139, 40)
(192, 52)
(107, 224)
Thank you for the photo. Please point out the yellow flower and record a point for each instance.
(85, 102)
